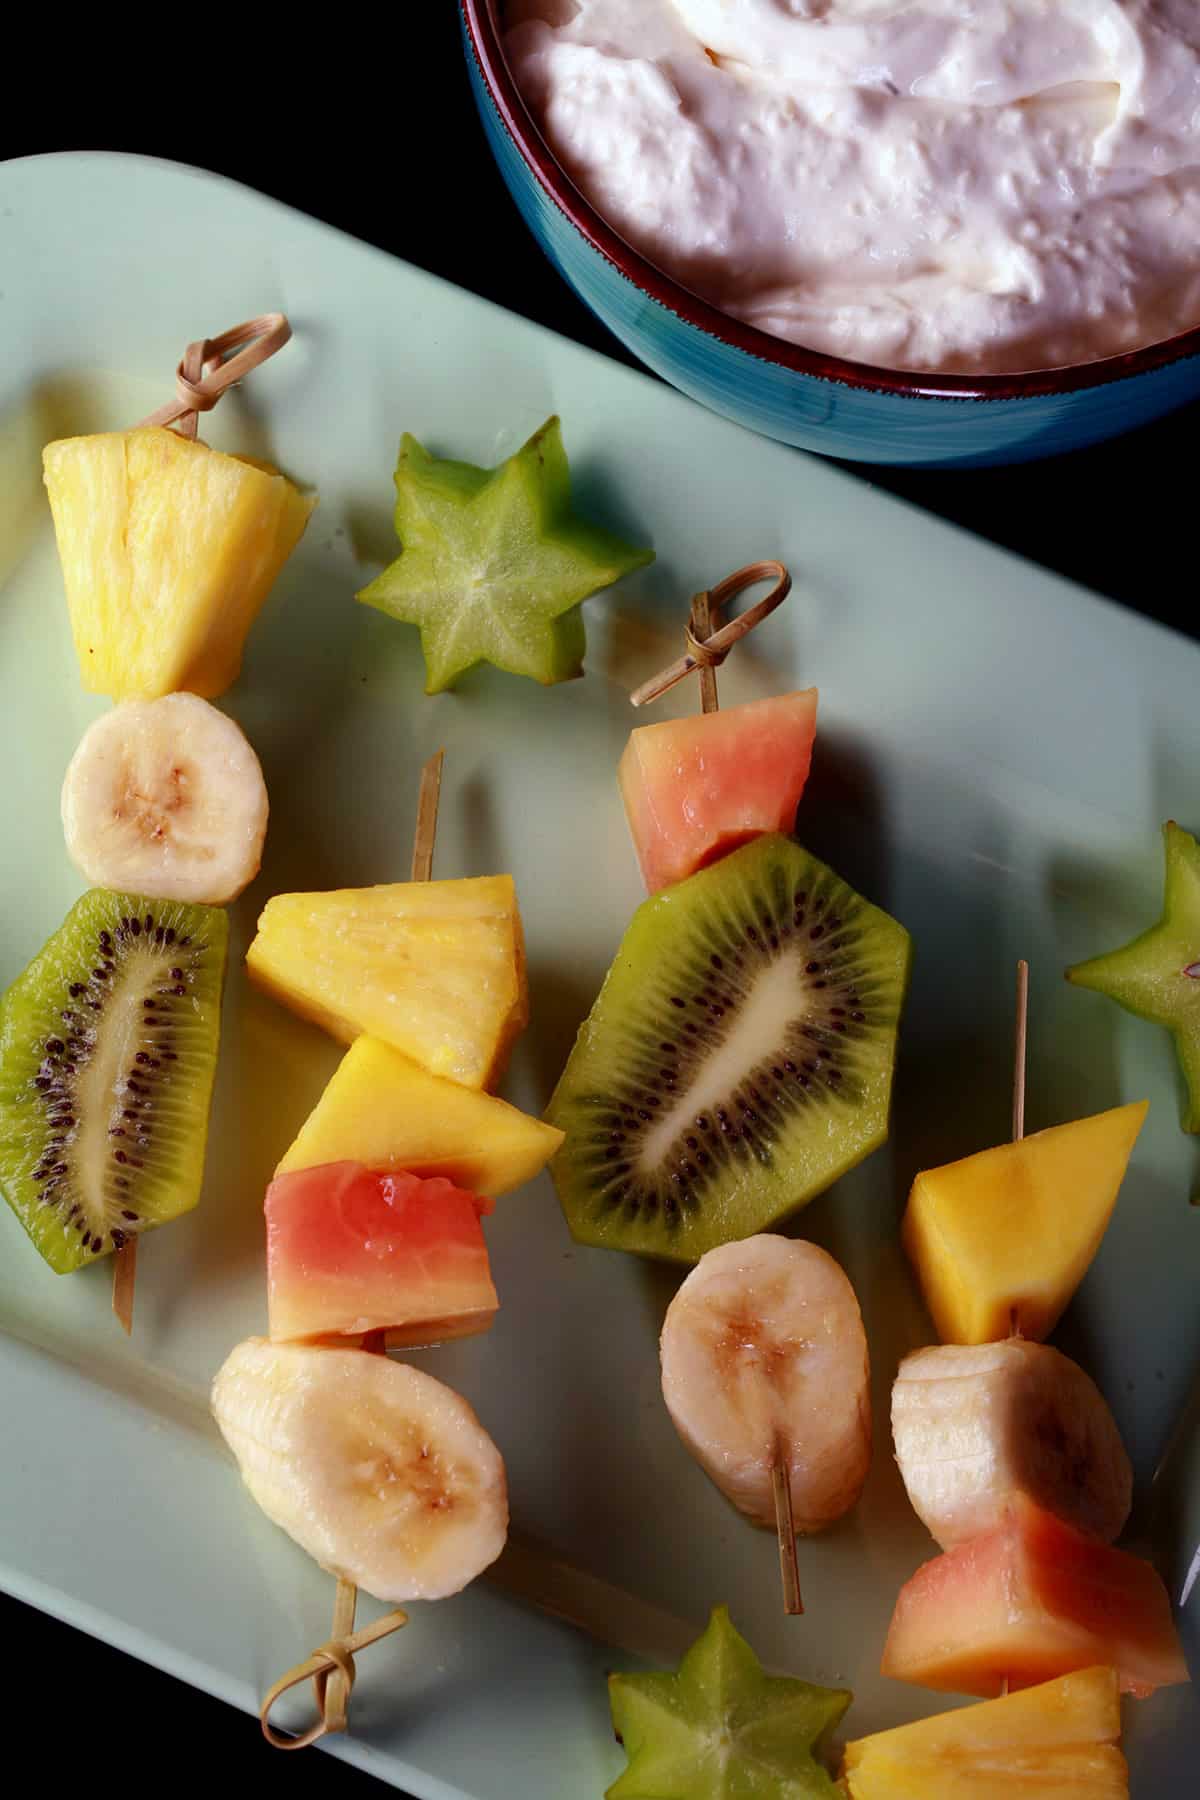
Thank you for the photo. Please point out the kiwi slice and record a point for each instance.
(108, 1048)
(738, 1059)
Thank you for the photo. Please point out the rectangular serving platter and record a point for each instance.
(997, 750)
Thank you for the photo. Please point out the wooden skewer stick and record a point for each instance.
(124, 1281)
(527, 1572)
(706, 619)
(707, 649)
(705, 622)
(1020, 1062)
(1020, 1041)
(1020, 1059)
(785, 1525)
(337, 1688)
(427, 818)
(1019, 1051)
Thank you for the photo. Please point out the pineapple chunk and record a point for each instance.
(168, 550)
(385, 1111)
(1058, 1740)
(434, 968)
(1099, 1774)
(1001, 1240)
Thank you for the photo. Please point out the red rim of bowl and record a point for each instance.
(484, 32)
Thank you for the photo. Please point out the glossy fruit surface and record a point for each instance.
(1058, 1741)
(763, 1346)
(108, 1053)
(1027, 1602)
(436, 968)
(1001, 1240)
(976, 1426)
(385, 1111)
(168, 551)
(495, 562)
(695, 788)
(738, 1059)
(381, 1472)
(352, 1250)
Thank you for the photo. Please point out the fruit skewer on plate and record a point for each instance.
(1000, 1241)
(699, 1347)
(168, 550)
(753, 1003)
(1006, 1448)
(739, 1057)
(381, 1472)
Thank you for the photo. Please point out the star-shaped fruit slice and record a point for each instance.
(494, 564)
(1157, 976)
(721, 1729)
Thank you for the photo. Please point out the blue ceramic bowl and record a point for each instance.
(800, 396)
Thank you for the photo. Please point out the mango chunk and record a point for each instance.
(385, 1111)
(1001, 1240)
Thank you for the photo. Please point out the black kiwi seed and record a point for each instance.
(71, 1101)
(792, 1028)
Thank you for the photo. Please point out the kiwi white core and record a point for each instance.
(772, 1004)
(103, 1088)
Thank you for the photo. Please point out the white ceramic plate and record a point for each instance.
(997, 751)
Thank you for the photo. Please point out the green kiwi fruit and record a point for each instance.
(108, 1049)
(738, 1059)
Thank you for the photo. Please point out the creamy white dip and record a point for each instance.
(972, 185)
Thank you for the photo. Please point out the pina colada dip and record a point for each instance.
(970, 185)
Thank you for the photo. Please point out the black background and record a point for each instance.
(368, 123)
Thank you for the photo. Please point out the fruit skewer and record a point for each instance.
(375, 1343)
(183, 620)
(334, 1695)
(744, 1038)
(523, 1570)
(705, 625)
(706, 618)
(202, 377)
(1037, 1484)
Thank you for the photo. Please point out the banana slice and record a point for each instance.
(976, 1425)
(763, 1354)
(381, 1473)
(166, 798)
